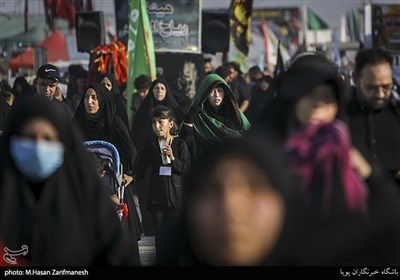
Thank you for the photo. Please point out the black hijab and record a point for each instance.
(142, 129)
(5, 109)
(117, 97)
(26, 88)
(262, 150)
(305, 238)
(307, 71)
(73, 221)
(106, 125)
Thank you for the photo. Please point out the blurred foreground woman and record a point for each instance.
(245, 208)
(237, 205)
(51, 200)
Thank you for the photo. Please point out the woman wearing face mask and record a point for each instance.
(52, 204)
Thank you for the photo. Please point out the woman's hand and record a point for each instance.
(115, 199)
(127, 179)
(193, 112)
(360, 164)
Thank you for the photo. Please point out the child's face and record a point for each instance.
(319, 106)
(162, 127)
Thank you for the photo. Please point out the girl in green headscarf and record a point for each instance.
(213, 116)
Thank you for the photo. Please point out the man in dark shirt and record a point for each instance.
(373, 111)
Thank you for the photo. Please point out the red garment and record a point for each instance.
(59, 9)
(111, 58)
(123, 211)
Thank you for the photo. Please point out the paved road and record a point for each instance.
(147, 250)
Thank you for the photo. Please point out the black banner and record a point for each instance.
(121, 20)
(175, 25)
(182, 71)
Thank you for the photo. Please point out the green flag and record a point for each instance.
(314, 21)
(141, 57)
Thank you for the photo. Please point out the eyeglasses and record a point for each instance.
(376, 88)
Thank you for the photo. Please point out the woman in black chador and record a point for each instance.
(245, 207)
(51, 201)
(108, 80)
(159, 94)
(96, 117)
(5, 109)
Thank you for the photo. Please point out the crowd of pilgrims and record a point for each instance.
(298, 169)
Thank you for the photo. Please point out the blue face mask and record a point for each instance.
(37, 160)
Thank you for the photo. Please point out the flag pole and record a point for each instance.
(305, 24)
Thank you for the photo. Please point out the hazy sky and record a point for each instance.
(329, 10)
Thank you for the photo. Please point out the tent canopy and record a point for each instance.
(56, 50)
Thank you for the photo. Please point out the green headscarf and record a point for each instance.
(207, 126)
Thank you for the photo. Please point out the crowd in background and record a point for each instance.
(298, 169)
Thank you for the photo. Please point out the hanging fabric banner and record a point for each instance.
(141, 57)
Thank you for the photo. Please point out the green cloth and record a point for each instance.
(315, 22)
(141, 55)
(205, 124)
